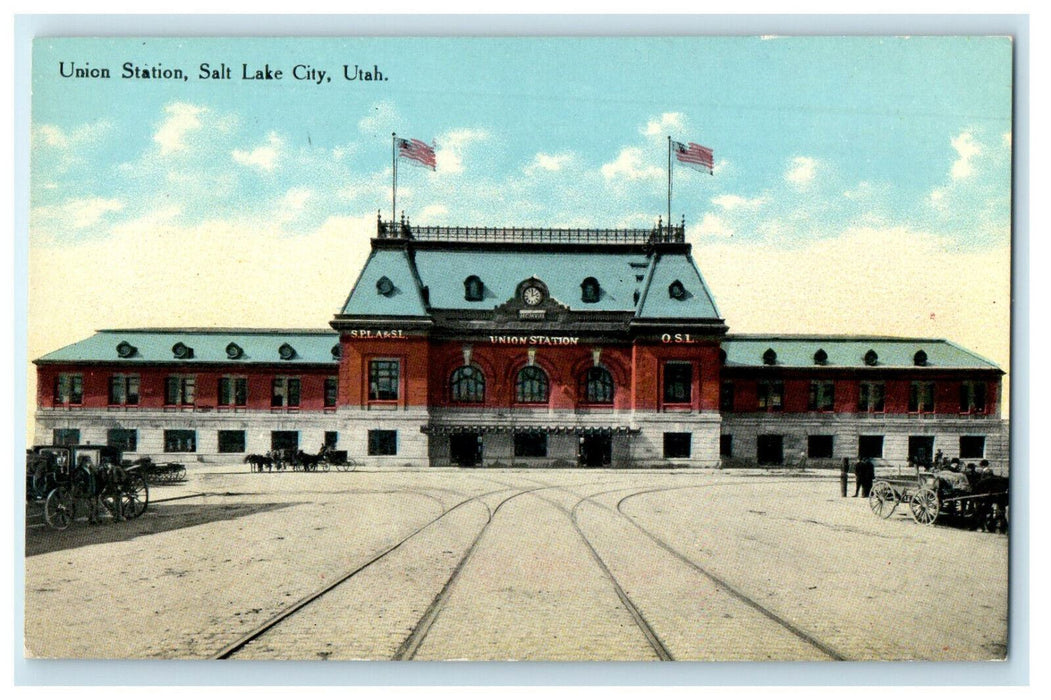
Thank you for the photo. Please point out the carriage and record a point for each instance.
(72, 478)
(298, 460)
(163, 473)
(980, 500)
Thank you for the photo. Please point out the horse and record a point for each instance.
(259, 461)
(309, 462)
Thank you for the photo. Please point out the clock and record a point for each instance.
(532, 296)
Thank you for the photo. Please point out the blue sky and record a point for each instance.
(811, 135)
(862, 185)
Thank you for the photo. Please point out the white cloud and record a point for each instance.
(629, 165)
(262, 157)
(431, 213)
(665, 123)
(967, 148)
(52, 222)
(380, 119)
(451, 147)
(863, 190)
(801, 171)
(549, 162)
(291, 205)
(730, 202)
(56, 137)
(713, 226)
(182, 119)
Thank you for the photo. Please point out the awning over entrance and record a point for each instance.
(555, 429)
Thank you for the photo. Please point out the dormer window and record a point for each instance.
(871, 358)
(769, 357)
(337, 352)
(473, 289)
(181, 351)
(126, 349)
(384, 286)
(234, 351)
(821, 357)
(677, 291)
(920, 358)
(589, 290)
(286, 352)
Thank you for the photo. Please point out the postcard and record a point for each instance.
(520, 349)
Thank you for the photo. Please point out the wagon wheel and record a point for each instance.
(883, 500)
(59, 508)
(325, 466)
(343, 467)
(134, 496)
(925, 505)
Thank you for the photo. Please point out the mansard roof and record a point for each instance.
(230, 346)
(427, 267)
(849, 351)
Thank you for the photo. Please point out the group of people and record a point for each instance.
(864, 475)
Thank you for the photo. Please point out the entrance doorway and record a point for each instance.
(596, 451)
(921, 449)
(465, 449)
(284, 440)
(770, 449)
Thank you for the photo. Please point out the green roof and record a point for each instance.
(622, 276)
(209, 345)
(848, 351)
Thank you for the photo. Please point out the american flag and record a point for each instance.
(417, 151)
(694, 156)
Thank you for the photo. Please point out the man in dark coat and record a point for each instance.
(864, 474)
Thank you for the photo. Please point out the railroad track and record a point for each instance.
(408, 648)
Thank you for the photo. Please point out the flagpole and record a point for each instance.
(669, 181)
(394, 178)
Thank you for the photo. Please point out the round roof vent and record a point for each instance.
(126, 349)
(769, 357)
(234, 351)
(337, 351)
(920, 358)
(182, 351)
(676, 290)
(384, 286)
(821, 357)
(286, 352)
(871, 358)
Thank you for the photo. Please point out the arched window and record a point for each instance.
(598, 385)
(473, 289)
(589, 290)
(467, 385)
(531, 385)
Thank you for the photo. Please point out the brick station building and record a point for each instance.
(496, 346)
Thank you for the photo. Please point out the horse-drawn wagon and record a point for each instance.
(979, 499)
(88, 478)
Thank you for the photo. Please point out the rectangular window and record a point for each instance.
(66, 436)
(284, 392)
(180, 441)
(331, 391)
(972, 447)
(972, 397)
(383, 442)
(677, 445)
(678, 382)
(179, 391)
(123, 439)
(726, 397)
(530, 444)
(69, 389)
(819, 447)
(124, 390)
(384, 379)
(284, 440)
(921, 397)
(231, 441)
(822, 396)
(870, 447)
(726, 445)
(233, 391)
(331, 439)
(870, 397)
(771, 395)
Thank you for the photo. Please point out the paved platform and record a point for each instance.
(515, 564)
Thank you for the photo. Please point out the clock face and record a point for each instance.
(532, 296)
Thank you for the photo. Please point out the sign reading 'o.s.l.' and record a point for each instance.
(678, 338)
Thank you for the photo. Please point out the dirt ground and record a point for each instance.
(721, 565)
